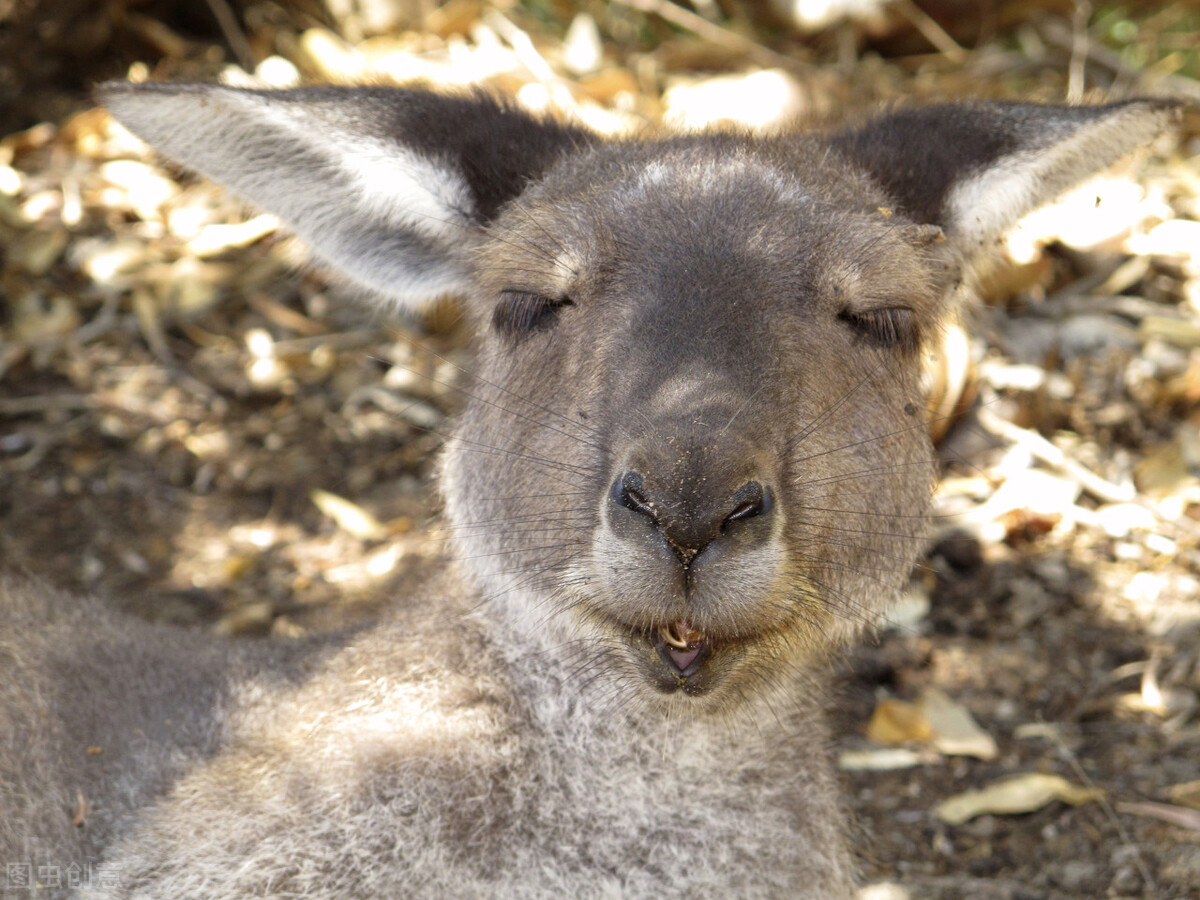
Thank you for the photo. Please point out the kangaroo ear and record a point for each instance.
(976, 168)
(389, 186)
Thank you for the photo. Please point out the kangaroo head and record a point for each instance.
(694, 452)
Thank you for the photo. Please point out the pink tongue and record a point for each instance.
(682, 658)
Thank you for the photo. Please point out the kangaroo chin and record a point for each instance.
(691, 465)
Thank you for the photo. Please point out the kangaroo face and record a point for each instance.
(699, 383)
(694, 453)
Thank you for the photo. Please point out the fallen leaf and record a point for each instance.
(878, 760)
(252, 618)
(1175, 238)
(35, 319)
(955, 732)
(1178, 332)
(582, 51)
(1046, 730)
(349, 516)
(882, 891)
(219, 237)
(139, 187)
(1013, 796)
(36, 251)
(238, 566)
(605, 85)
(755, 100)
(455, 17)
(1164, 812)
(896, 722)
(1186, 794)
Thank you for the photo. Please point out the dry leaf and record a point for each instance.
(349, 516)
(1119, 519)
(897, 722)
(1186, 794)
(1098, 213)
(1179, 332)
(878, 760)
(1163, 469)
(35, 320)
(955, 732)
(455, 17)
(187, 287)
(1173, 238)
(253, 618)
(238, 566)
(138, 187)
(882, 891)
(36, 251)
(604, 86)
(219, 237)
(1164, 812)
(582, 51)
(756, 100)
(1013, 796)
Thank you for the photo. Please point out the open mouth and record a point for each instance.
(682, 647)
(680, 656)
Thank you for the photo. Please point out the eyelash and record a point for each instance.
(519, 313)
(893, 326)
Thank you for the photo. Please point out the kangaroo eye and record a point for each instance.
(523, 312)
(894, 326)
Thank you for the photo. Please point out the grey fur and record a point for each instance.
(709, 346)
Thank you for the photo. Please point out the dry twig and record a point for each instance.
(1045, 451)
(228, 24)
(701, 27)
(931, 31)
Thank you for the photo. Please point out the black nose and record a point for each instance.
(689, 523)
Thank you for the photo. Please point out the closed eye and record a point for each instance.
(892, 326)
(519, 313)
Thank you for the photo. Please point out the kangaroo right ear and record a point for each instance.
(976, 168)
(389, 186)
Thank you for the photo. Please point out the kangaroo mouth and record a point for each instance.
(682, 656)
(682, 647)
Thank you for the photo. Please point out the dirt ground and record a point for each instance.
(199, 431)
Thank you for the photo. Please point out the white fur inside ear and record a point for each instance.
(378, 211)
(403, 186)
(985, 205)
(394, 192)
(394, 183)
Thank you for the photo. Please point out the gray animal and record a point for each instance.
(693, 463)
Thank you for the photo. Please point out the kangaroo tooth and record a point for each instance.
(680, 635)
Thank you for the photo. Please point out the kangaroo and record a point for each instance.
(694, 463)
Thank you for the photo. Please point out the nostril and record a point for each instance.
(688, 521)
(751, 499)
(628, 491)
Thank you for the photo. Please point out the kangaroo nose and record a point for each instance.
(690, 524)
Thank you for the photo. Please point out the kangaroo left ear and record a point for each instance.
(389, 186)
(975, 169)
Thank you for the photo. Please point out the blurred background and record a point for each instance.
(200, 427)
